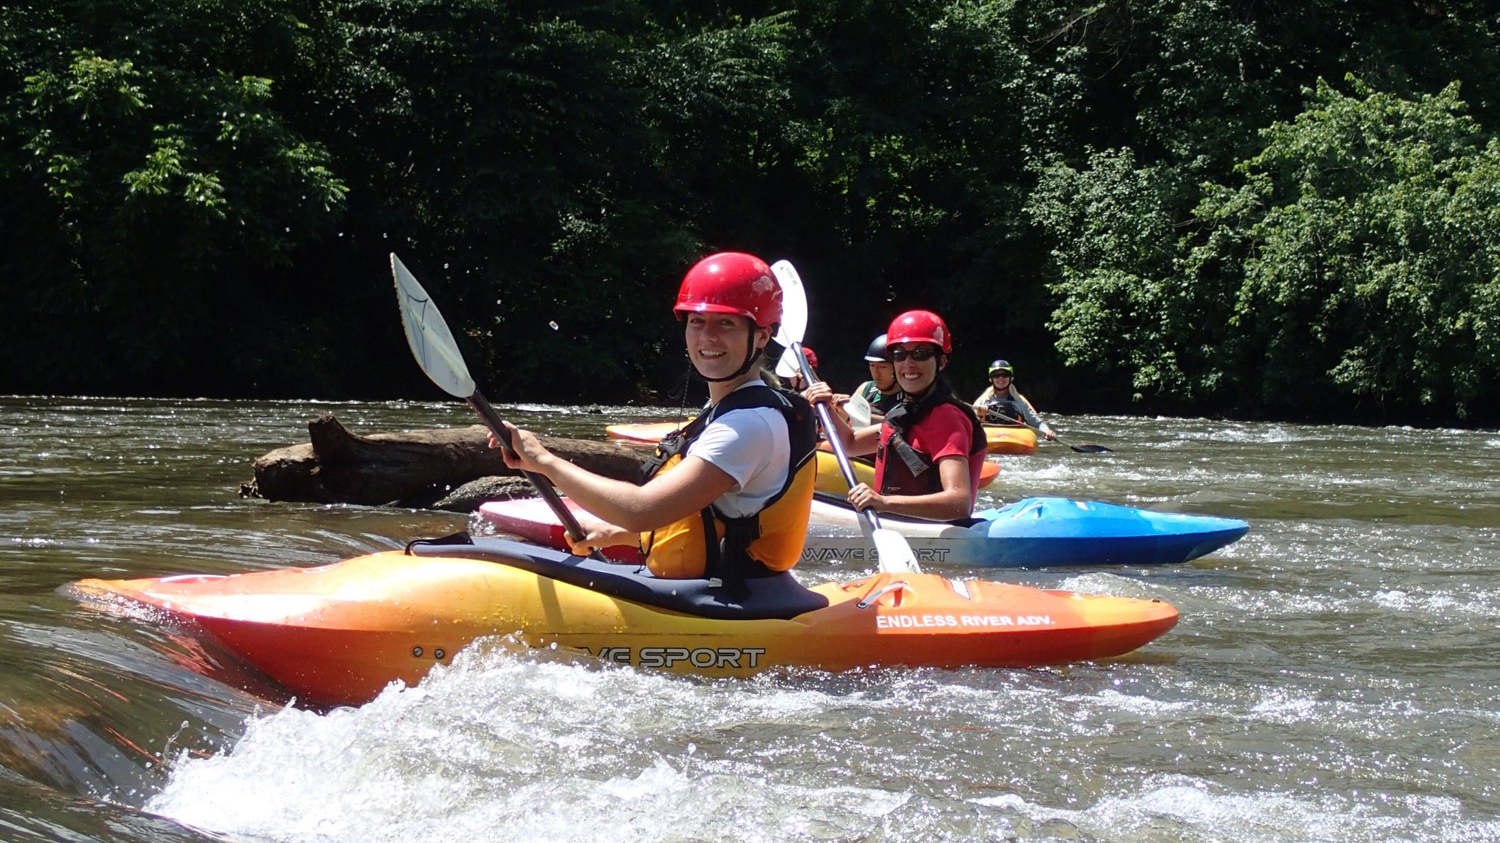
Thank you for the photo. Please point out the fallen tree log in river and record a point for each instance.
(414, 468)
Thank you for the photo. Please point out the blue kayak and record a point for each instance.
(1030, 533)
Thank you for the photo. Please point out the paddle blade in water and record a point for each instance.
(428, 335)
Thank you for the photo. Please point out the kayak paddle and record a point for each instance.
(432, 344)
(892, 552)
(1082, 449)
(859, 411)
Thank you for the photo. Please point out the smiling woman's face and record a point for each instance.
(917, 366)
(716, 342)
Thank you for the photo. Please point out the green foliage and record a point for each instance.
(1355, 258)
(204, 193)
(157, 189)
(1369, 235)
(1125, 307)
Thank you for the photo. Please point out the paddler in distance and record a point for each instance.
(743, 467)
(880, 391)
(1002, 403)
(930, 449)
(795, 381)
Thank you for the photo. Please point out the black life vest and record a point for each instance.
(909, 413)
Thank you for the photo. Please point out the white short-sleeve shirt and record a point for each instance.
(752, 446)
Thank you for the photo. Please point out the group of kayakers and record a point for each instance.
(728, 496)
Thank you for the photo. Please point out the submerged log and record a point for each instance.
(410, 468)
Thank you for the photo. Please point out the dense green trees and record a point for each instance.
(1184, 206)
(1355, 255)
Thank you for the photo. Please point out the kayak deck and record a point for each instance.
(338, 634)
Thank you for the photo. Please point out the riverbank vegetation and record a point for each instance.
(1184, 207)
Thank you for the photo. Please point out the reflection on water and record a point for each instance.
(1332, 677)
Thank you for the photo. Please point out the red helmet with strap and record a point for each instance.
(731, 282)
(812, 356)
(920, 326)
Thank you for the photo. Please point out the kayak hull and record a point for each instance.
(1000, 439)
(1008, 439)
(338, 634)
(1030, 533)
(642, 433)
(1033, 533)
(830, 477)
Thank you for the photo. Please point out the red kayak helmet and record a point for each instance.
(731, 282)
(920, 326)
(812, 356)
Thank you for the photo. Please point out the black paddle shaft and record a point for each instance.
(542, 484)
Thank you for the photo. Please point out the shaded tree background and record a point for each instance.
(1212, 207)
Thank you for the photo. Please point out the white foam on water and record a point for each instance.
(1175, 808)
(524, 746)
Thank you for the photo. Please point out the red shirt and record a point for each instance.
(946, 431)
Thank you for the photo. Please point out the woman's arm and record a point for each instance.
(856, 442)
(668, 497)
(955, 501)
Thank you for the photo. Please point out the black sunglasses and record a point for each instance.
(1002, 373)
(921, 353)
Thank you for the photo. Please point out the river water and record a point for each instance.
(1335, 675)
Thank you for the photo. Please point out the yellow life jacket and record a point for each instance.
(758, 544)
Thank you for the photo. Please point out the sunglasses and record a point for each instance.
(921, 353)
(1002, 374)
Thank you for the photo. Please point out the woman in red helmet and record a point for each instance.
(743, 468)
(794, 381)
(930, 448)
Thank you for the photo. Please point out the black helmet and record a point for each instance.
(876, 351)
(1001, 367)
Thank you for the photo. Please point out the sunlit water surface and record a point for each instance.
(1334, 677)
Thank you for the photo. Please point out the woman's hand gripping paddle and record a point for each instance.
(432, 344)
(892, 552)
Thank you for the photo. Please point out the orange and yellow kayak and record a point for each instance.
(1002, 439)
(338, 634)
(642, 433)
(1010, 439)
(831, 479)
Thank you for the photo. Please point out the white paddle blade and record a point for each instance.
(787, 365)
(428, 335)
(858, 410)
(793, 316)
(894, 553)
(793, 304)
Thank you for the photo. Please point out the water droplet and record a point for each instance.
(553, 325)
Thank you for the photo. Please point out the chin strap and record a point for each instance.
(750, 357)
